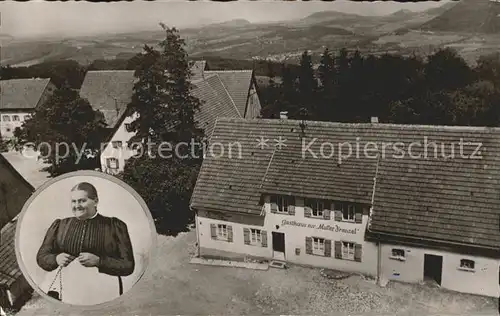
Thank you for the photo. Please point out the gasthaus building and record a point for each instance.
(406, 202)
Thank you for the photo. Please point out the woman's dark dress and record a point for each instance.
(105, 237)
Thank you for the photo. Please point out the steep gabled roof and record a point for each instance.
(237, 83)
(109, 91)
(216, 102)
(21, 93)
(452, 200)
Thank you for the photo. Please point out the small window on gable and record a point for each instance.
(112, 163)
(116, 144)
(467, 264)
(127, 127)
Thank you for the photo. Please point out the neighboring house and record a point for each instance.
(18, 100)
(378, 211)
(14, 192)
(224, 94)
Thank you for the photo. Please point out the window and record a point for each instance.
(6, 118)
(398, 254)
(26, 117)
(15, 118)
(116, 144)
(222, 231)
(255, 236)
(348, 211)
(317, 207)
(112, 163)
(282, 204)
(127, 126)
(348, 250)
(318, 246)
(467, 264)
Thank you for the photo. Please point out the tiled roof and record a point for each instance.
(21, 93)
(237, 83)
(109, 91)
(452, 200)
(17, 194)
(9, 269)
(216, 102)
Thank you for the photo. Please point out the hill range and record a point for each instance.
(470, 26)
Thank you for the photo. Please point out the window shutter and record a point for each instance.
(358, 218)
(328, 248)
(338, 249)
(274, 207)
(213, 231)
(326, 214)
(307, 211)
(246, 236)
(229, 233)
(263, 235)
(358, 252)
(291, 209)
(338, 216)
(309, 248)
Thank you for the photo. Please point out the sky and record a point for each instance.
(41, 18)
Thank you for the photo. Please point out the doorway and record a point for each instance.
(433, 268)
(279, 246)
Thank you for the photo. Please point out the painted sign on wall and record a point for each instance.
(334, 228)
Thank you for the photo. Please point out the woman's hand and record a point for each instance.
(88, 259)
(63, 259)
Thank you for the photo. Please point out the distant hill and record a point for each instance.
(475, 16)
(231, 23)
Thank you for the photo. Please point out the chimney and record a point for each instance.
(284, 115)
(374, 119)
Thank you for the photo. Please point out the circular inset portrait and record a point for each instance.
(84, 238)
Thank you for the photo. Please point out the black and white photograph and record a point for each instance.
(84, 239)
(284, 157)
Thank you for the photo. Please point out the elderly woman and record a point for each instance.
(86, 254)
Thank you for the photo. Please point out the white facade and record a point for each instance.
(10, 120)
(117, 150)
(241, 237)
(455, 273)
(298, 231)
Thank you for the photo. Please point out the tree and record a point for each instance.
(66, 130)
(165, 111)
(446, 70)
(327, 76)
(3, 145)
(307, 85)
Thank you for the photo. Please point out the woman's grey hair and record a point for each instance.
(87, 187)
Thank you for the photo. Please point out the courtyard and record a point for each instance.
(173, 286)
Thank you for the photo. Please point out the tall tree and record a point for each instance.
(307, 85)
(327, 76)
(165, 111)
(66, 130)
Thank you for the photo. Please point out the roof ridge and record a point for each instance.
(401, 126)
(237, 70)
(20, 79)
(111, 70)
